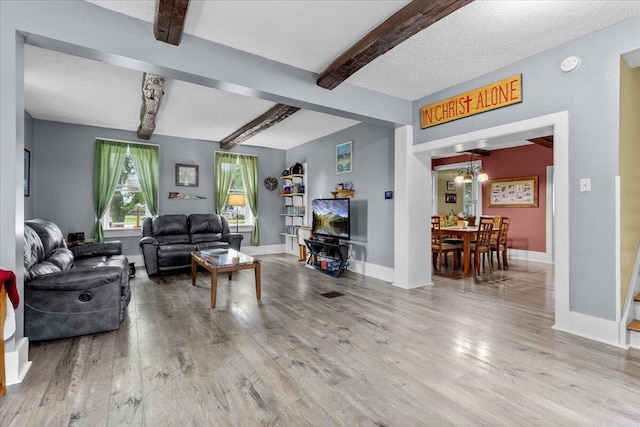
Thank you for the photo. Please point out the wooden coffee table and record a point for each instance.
(220, 261)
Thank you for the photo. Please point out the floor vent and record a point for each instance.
(332, 294)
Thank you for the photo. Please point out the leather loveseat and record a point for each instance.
(71, 292)
(168, 240)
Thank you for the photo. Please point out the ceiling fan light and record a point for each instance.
(483, 177)
(467, 177)
(459, 179)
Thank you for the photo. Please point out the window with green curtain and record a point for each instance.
(134, 184)
(238, 174)
(109, 158)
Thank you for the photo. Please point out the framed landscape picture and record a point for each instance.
(344, 157)
(186, 175)
(513, 192)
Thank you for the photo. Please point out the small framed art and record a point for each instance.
(451, 186)
(186, 175)
(344, 157)
(450, 198)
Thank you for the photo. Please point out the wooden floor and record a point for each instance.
(462, 352)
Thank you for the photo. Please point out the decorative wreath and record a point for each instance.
(271, 183)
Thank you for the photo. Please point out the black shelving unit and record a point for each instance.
(328, 256)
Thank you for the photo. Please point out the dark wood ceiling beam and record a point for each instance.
(152, 91)
(477, 152)
(275, 115)
(545, 141)
(169, 23)
(408, 21)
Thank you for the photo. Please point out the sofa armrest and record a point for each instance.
(149, 246)
(148, 241)
(97, 249)
(76, 279)
(234, 240)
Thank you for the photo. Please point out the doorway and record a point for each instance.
(553, 124)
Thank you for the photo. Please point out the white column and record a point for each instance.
(11, 188)
(412, 251)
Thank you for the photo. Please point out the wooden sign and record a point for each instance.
(495, 95)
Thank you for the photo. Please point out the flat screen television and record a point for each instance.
(331, 218)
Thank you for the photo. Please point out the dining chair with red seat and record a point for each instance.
(482, 243)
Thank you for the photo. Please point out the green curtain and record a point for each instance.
(146, 159)
(225, 162)
(249, 171)
(107, 168)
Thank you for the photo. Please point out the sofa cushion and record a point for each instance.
(163, 225)
(44, 267)
(175, 255)
(49, 233)
(33, 248)
(172, 239)
(62, 258)
(206, 237)
(205, 224)
(212, 245)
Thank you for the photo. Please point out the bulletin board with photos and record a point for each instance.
(513, 192)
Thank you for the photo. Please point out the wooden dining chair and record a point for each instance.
(439, 248)
(482, 243)
(500, 245)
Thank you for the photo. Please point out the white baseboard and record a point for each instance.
(523, 255)
(263, 250)
(16, 362)
(593, 328)
(371, 270)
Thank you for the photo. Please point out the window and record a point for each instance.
(127, 208)
(244, 216)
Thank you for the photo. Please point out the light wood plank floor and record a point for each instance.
(472, 351)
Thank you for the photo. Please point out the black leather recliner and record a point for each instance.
(74, 292)
(168, 240)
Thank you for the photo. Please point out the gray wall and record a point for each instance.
(64, 156)
(29, 202)
(591, 96)
(372, 215)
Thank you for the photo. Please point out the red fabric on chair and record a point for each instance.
(9, 279)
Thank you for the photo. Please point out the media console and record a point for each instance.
(329, 256)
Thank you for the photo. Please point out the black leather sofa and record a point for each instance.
(71, 292)
(168, 240)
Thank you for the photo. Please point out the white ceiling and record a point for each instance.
(307, 34)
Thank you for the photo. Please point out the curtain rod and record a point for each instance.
(126, 142)
(236, 154)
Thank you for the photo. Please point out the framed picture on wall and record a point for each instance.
(450, 198)
(186, 175)
(27, 172)
(451, 186)
(521, 192)
(344, 157)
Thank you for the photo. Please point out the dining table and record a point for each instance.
(466, 234)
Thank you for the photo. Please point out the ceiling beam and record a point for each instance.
(152, 91)
(169, 23)
(407, 22)
(273, 116)
(545, 141)
(478, 152)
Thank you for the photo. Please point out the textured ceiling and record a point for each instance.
(307, 34)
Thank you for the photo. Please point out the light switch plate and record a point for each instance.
(585, 184)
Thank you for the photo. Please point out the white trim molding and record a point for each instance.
(17, 363)
(263, 250)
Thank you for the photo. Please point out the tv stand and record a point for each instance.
(327, 255)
